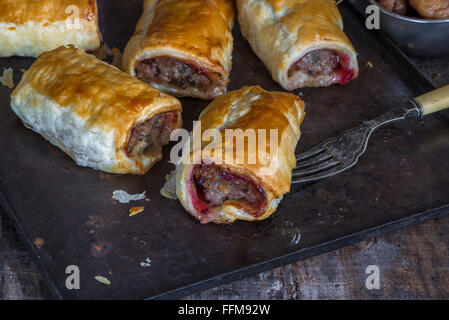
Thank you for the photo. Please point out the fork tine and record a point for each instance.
(310, 153)
(308, 162)
(316, 169)
(321, 175)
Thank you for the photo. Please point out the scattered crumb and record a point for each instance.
(124, 197)
(7, 78)
(103, 280)
(23, 70)
(117, 57)
(296, 238)
(369, 64)
(147, 200)
(135, 210)
(169, 189)
(168, 194)
(338, 2)
(146, 264)
(38, 242)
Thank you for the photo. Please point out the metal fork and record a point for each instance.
(341, 153)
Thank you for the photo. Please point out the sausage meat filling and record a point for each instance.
(317, 62)
(167, 70)
(215, 186)
(397, 6)
(152, 134)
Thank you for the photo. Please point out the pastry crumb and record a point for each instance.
(169, 189)
(7, 78)
(135, 210)
(124, 197)
(103, 280)
(369, 64)
(38, 242)
(146, 264)
(296, 238)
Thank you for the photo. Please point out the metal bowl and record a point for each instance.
(415, 36)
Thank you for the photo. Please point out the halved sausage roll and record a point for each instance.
(215, 186)
(183, 47)
(301, 42)
(100, 116)
(28, 28)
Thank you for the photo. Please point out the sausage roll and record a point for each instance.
(183, 47)
(30, 27)
(215, 189)
(431, 9)
(301, 42)
(397, 6)
(100, 116)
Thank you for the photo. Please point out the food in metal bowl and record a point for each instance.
(427, 9)
(431, 9)
(397, 6)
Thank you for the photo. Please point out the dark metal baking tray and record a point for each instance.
(402, 179)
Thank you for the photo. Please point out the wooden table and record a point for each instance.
(413, 262)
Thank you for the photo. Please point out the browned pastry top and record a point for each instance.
(100, 94)
(197, 26)
(20, 11)
(255, 108)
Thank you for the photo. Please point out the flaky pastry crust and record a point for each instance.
(28, 28)
(194, 31)
(282, 32)
(248, 108)
(88, 109)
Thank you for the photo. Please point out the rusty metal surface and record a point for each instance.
(67, 216)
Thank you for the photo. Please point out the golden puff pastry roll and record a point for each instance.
(301, 42)
(214, 186)
(100, 116)
(183, 47)
(30, 27)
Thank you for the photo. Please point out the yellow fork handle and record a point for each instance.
(434, 101)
